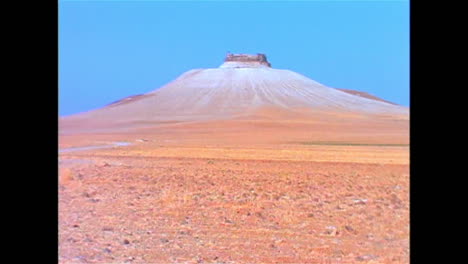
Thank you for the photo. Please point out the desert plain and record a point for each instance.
(273, 188)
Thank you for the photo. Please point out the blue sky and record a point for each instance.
(112, 49)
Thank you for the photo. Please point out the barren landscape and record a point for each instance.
(308, 175)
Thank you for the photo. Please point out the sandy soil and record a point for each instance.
(330, 190)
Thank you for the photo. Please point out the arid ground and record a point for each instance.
(329, 190)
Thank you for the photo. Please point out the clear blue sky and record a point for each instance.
(112, 49)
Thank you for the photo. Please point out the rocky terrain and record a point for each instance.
(212, 205)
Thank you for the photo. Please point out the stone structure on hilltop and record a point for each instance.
(245, 61)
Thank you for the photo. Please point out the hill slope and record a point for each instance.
(236, 89)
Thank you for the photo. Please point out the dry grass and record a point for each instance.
(239, 210)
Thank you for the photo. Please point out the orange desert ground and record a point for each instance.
(243, 163)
